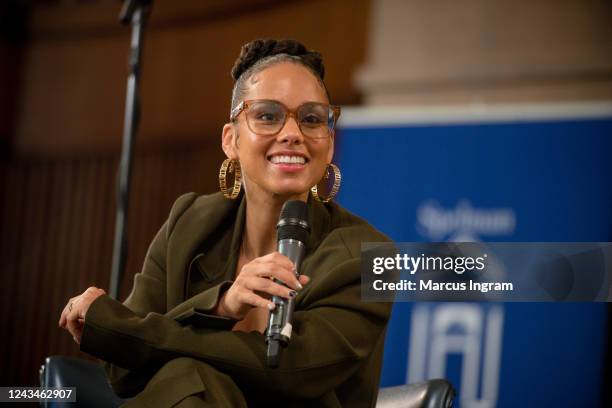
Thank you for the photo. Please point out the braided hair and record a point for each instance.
(259, 54)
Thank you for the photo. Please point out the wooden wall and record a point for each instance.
(76, 67)
(57, 233)
(62, 124)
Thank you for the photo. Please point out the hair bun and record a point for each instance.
(257, 49)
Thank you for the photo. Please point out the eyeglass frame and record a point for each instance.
(288, 113)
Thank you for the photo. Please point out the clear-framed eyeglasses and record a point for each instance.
(267, 117)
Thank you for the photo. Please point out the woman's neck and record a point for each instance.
(262, 212)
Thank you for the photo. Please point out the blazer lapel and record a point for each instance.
(217, 258)
(205, 215)
(208, 214)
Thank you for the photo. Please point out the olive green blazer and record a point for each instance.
(335, 354)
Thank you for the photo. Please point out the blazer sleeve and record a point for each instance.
(334, 332)
(149, 295)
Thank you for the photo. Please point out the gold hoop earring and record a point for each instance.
(231, 166)
(334, 190)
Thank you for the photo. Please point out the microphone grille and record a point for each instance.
(295, 209)
(293, 222)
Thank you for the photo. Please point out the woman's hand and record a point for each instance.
(253, 286)
(73, 315)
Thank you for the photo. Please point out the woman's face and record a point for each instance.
(263, 175)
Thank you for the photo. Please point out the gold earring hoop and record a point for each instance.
(334, 190)
(231, 166)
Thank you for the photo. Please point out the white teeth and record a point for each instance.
(288, 159)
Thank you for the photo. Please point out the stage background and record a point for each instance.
(63, 68)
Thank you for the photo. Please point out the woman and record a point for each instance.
(217, 253)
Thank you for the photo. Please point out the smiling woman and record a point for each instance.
(284, 140)
(216, 255)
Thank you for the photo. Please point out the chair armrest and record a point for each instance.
(436, 393)
(92, 386)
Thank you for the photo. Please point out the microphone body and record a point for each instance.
(292, 231)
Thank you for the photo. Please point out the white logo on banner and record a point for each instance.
(458, 329)
(463, 223)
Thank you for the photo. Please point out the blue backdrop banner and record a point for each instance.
(546, 180)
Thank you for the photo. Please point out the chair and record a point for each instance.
(93, 388)
(436, 393)
(94, 391)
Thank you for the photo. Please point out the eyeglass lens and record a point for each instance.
(268, 117)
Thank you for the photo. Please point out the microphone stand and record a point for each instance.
(136, 13)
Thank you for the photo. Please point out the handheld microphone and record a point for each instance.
(292, 232)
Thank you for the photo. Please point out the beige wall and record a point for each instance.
(487, 51)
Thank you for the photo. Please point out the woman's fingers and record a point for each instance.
(72, 322)
(254, 300)
(258, 280)
(65, 311)
(277, 258)
(72, 317)
(62, 320)
(269, 286)
(286, 276)
(74, 327)
(273, 270)
(78, 332)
